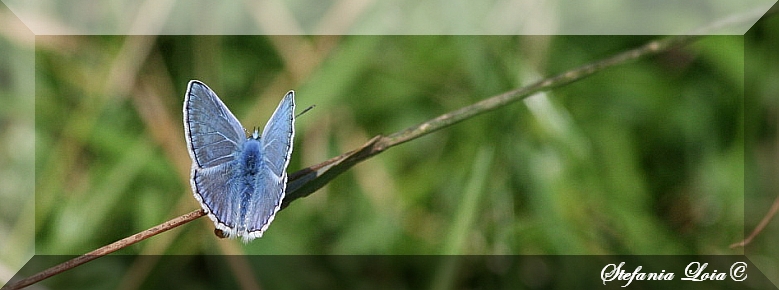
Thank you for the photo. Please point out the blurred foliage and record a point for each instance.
(17, 154)
(646, 158)
(595, 167)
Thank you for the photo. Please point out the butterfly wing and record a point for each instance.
(277, 135)
(276, 150)
(213, 133)
(214, 139)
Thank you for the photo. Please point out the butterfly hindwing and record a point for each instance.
(213, 190)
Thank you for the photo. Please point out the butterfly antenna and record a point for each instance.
(306, 110)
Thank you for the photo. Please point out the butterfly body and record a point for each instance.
(239, 181)
(251, 158)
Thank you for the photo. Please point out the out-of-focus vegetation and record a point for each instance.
(645, 158)
(642, 159)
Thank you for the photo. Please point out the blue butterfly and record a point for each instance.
(239, 181)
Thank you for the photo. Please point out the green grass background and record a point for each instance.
(645, 158)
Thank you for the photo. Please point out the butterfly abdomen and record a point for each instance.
(247, 174)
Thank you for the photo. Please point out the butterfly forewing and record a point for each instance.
(277, 135)
(214, 135)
